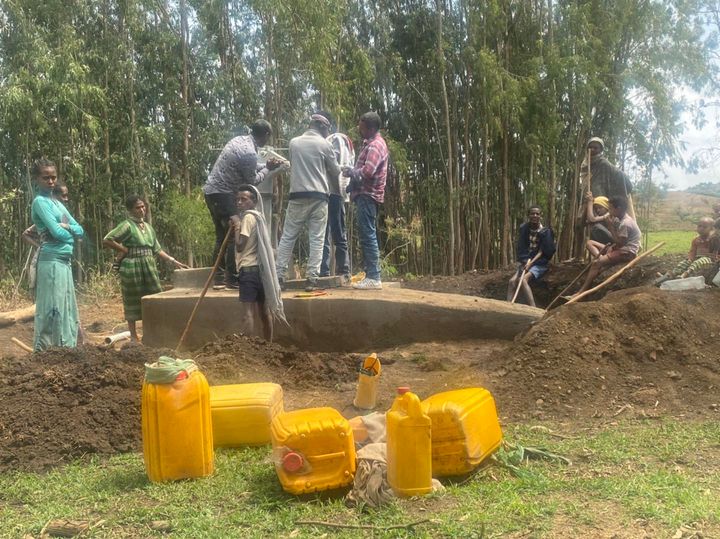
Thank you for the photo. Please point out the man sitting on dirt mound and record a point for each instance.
(626, 241)
(703, 252)
(535, 248)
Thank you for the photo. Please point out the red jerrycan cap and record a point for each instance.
(402, 390)
(292, 462)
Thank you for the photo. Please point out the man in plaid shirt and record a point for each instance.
(367, 191)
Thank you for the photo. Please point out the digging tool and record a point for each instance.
(520, 282)
(19, 343)
(615, 275)
(568, 287)
(210, 278)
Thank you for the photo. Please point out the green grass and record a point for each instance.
(676, 241)
(662, 474)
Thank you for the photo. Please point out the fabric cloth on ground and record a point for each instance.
(268, 274)
(139, 275)
(371, 486)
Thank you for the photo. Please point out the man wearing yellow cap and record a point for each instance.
(596, 209)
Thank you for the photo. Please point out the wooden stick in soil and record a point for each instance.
(205, 288)
(520, 282)
(20, 344)
(568, 287)
(361, 526)
(615, 275)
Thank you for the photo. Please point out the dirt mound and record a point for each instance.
(642, 350)
(493, 284)
(255, 360)
(63, 404)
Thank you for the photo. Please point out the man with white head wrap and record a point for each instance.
(312, 163)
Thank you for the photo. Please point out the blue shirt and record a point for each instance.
(47, 215)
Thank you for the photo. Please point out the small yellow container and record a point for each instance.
(242, 413)
(313, 450)
(366, 394)
(177, 429)
(409, 456)
(465, 429)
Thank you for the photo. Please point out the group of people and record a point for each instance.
(614, 236)
(55, 232)
(323, 176)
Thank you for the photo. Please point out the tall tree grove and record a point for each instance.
(487, 106)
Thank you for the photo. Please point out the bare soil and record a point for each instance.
(640, 352)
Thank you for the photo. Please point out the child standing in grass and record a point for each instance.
(703, 252)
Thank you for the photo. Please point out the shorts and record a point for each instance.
(536, 271)
(618, 257)
(251, 287)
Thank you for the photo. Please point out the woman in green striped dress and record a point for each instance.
(137, 243)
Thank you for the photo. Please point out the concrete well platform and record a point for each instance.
(344, 320)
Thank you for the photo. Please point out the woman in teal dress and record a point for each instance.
(135, 240)
(56, 312)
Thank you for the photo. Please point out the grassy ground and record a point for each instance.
(625, 480)
(676, 241)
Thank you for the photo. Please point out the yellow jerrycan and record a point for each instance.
(366, 394)
(409, 454)
(242, 413)
(313, 450)
(176, 421)
(465, 429)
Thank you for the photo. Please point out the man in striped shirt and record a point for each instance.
(367, 191)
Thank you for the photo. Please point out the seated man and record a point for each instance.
(703, 252)
(596, 208)
(626, 241)
(535, 248)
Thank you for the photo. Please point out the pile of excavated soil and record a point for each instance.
(641, 351)
(493, 284)
(62, 404)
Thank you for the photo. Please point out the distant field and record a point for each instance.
(676, 241)
(680, 211)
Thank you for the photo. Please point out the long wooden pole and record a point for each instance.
(589, 170)
(205, 288)
(615, 275)
(583, 272)
(520, 282)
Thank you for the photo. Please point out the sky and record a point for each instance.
(696, 140)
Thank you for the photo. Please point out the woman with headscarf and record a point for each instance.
(56, 312)
(136, 241)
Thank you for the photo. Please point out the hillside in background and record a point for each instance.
(680, 210)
